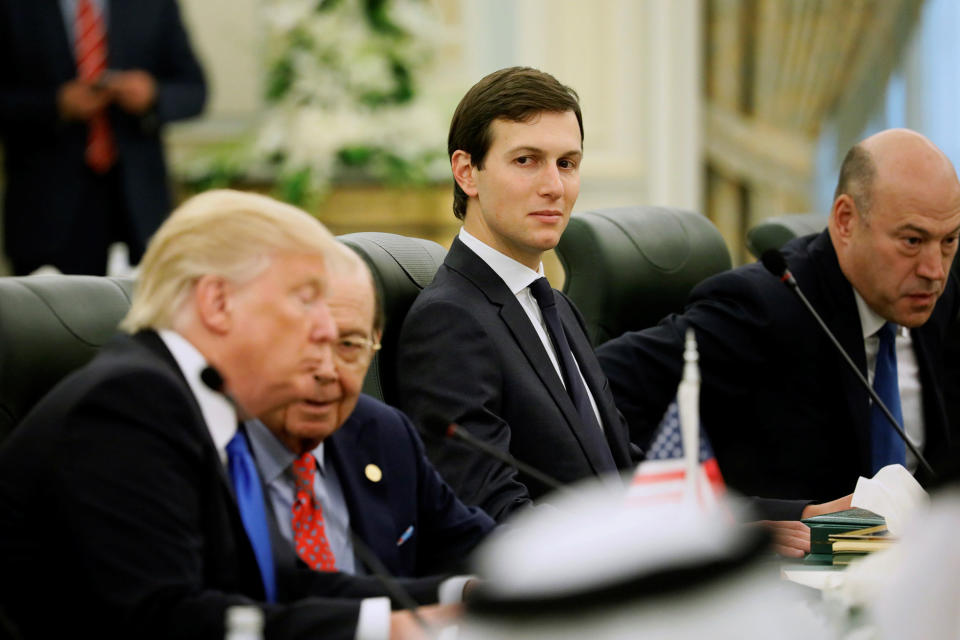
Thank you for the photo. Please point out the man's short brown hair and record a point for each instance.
(517, 94)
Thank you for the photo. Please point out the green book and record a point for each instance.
(818, 559)
(823, 526)
(859, 517)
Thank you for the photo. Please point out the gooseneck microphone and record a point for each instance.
(214, 381)
(776, 264)
(439, 428)
(212, 378)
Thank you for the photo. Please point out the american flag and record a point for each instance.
(662, 476)
(672, 473)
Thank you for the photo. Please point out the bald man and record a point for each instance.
(785, 415)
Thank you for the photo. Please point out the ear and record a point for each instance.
(212, 300)
(844, 218)
(377, 336)
(464, 172)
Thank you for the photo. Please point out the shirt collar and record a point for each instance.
(516, 276)
(273, 458)
(218, 413)
(870, 320)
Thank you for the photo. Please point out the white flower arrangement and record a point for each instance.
(341, 92)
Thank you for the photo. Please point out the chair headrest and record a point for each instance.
(628, 267)
(49, 326)
(775, 232)
(401, 267)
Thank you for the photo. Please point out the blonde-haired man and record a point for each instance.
(129, 495)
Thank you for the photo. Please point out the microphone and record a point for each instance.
(776, 264)
(214, 381)
(437, 427)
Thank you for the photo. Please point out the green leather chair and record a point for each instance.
(402, 267)
(775, 232)
(49, 326)
(629, 267)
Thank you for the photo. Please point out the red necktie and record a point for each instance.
(90, 44)
(309, 537)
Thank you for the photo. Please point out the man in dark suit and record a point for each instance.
(371, 474)
(85, 89)
(128, 493)
(488, 344)
(786, 417)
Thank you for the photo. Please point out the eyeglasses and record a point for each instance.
(352, 350)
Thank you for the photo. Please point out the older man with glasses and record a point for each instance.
(342, 462)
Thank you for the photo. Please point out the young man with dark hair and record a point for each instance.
(489, 344)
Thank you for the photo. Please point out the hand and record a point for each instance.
(403, 626)
(79, 100)
(133, 91)
(791, 538)
(827, 507)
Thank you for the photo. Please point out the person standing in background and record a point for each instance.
(85, 89)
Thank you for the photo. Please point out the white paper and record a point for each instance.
(892, 493)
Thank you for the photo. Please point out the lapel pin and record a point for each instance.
(373, 472)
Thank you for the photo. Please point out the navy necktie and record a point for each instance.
(543, 293)
(885, 444)
(246, 486)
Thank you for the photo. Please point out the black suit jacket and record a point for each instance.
(786, 417)
(118, 515)
(468, 353)
(44, 156)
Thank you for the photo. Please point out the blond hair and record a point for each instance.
(232, 234)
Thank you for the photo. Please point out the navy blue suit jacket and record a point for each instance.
(409, 495)
(44, 156)
(469, 354)
(786, 416)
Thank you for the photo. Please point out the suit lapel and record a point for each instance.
(935, 425)
(249, 567)
(839, 311)
(121, 17)
(52, 31)
(367, 501)
(152, 341)
(616, 452)
(467, 263)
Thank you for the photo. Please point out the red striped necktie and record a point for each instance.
(90, 44)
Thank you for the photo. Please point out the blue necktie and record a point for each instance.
(886, 447)
(246, 485)
(543, 293)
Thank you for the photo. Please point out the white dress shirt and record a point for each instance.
(908, 374)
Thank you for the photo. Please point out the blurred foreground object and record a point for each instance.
(680, 465)
(594, 568)
(912, 589)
